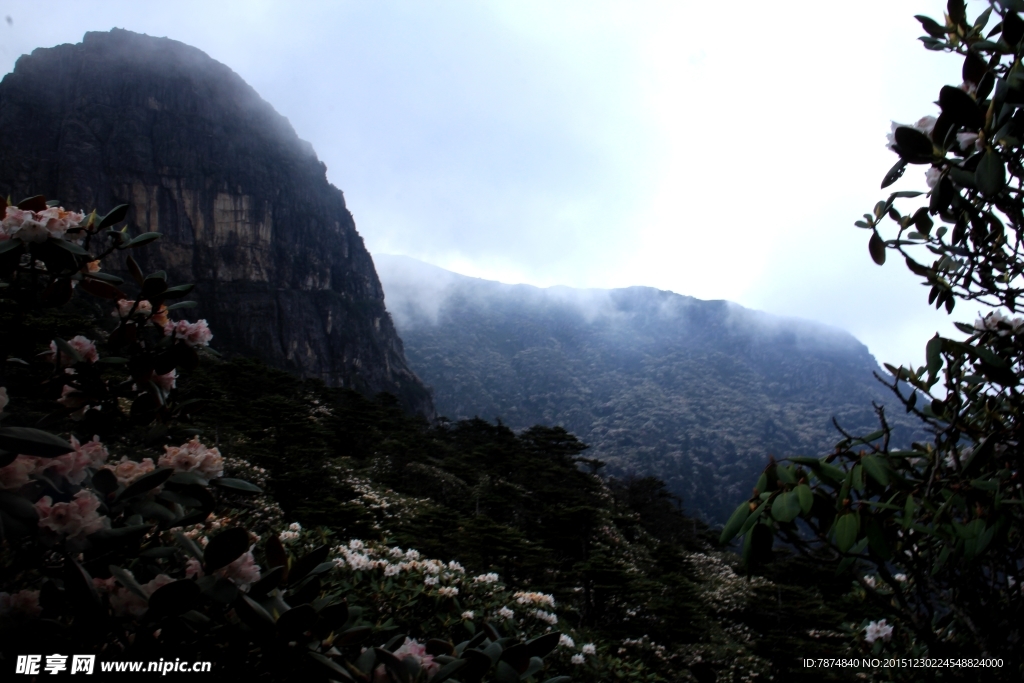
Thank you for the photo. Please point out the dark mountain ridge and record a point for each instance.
(243, 204)
(698, 393)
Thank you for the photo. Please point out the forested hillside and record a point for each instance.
(697, 393)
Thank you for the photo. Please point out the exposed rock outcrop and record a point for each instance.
(244, 205)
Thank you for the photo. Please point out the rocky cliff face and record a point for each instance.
(244, 205)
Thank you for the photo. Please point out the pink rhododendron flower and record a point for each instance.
(16, 474)
(79, 518)
(243, 571)
(166, 382)
(85, 348)
(128, 471)
(24, 603)
(72, 465)
(410, 649)
(932, 175)
(193, 334)
(193, 457)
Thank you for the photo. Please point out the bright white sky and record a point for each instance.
(593, 144)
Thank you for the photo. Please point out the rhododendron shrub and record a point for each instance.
(932, 531)
(132, 543)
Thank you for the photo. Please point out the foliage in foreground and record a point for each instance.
(165, 557)
(933, 534)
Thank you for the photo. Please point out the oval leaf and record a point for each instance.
(876, 247)
(29, 441)
(225, 548)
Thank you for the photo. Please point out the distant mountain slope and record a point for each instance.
(699, 393)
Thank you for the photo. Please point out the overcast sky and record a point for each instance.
(723, 155)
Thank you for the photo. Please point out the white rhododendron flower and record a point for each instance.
(991, 322)
(566, 641)
(448, 591)
(505, 613)
(542, 599)
(430, 581)
(876, 630)
(468, 614)
(969, 140)
(578, 659)
(932, 176)
(589, 649)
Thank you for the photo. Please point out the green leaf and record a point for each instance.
(933, 354)
(990, 176)
(330, 664)
(67, 349)
(735, 522)
(225, 548)
(143, 239)
(182, 304)
(449, 669)
(69, 246)
(114, 216)
(847, 526)
(145, 483)
(931, 27)
(913, 146)
(10, 245)
(961, 108)
(786, 507)
(876, 247)
(876, 469)
(29, 441)
(237, 485)
(805, 497)
(125, 578)
(543, 645)
(174, 598)
(752, 519)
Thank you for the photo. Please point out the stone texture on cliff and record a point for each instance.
(244, 205)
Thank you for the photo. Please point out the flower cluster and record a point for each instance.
(72, 466)
(876, 630)
(539, 599)
(85, 348)
(410, 649)
(75, 519)
(193, 457)
(38, 226)
(193, 334)
(125, 602)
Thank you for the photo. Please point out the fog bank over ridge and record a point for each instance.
(415, 292)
